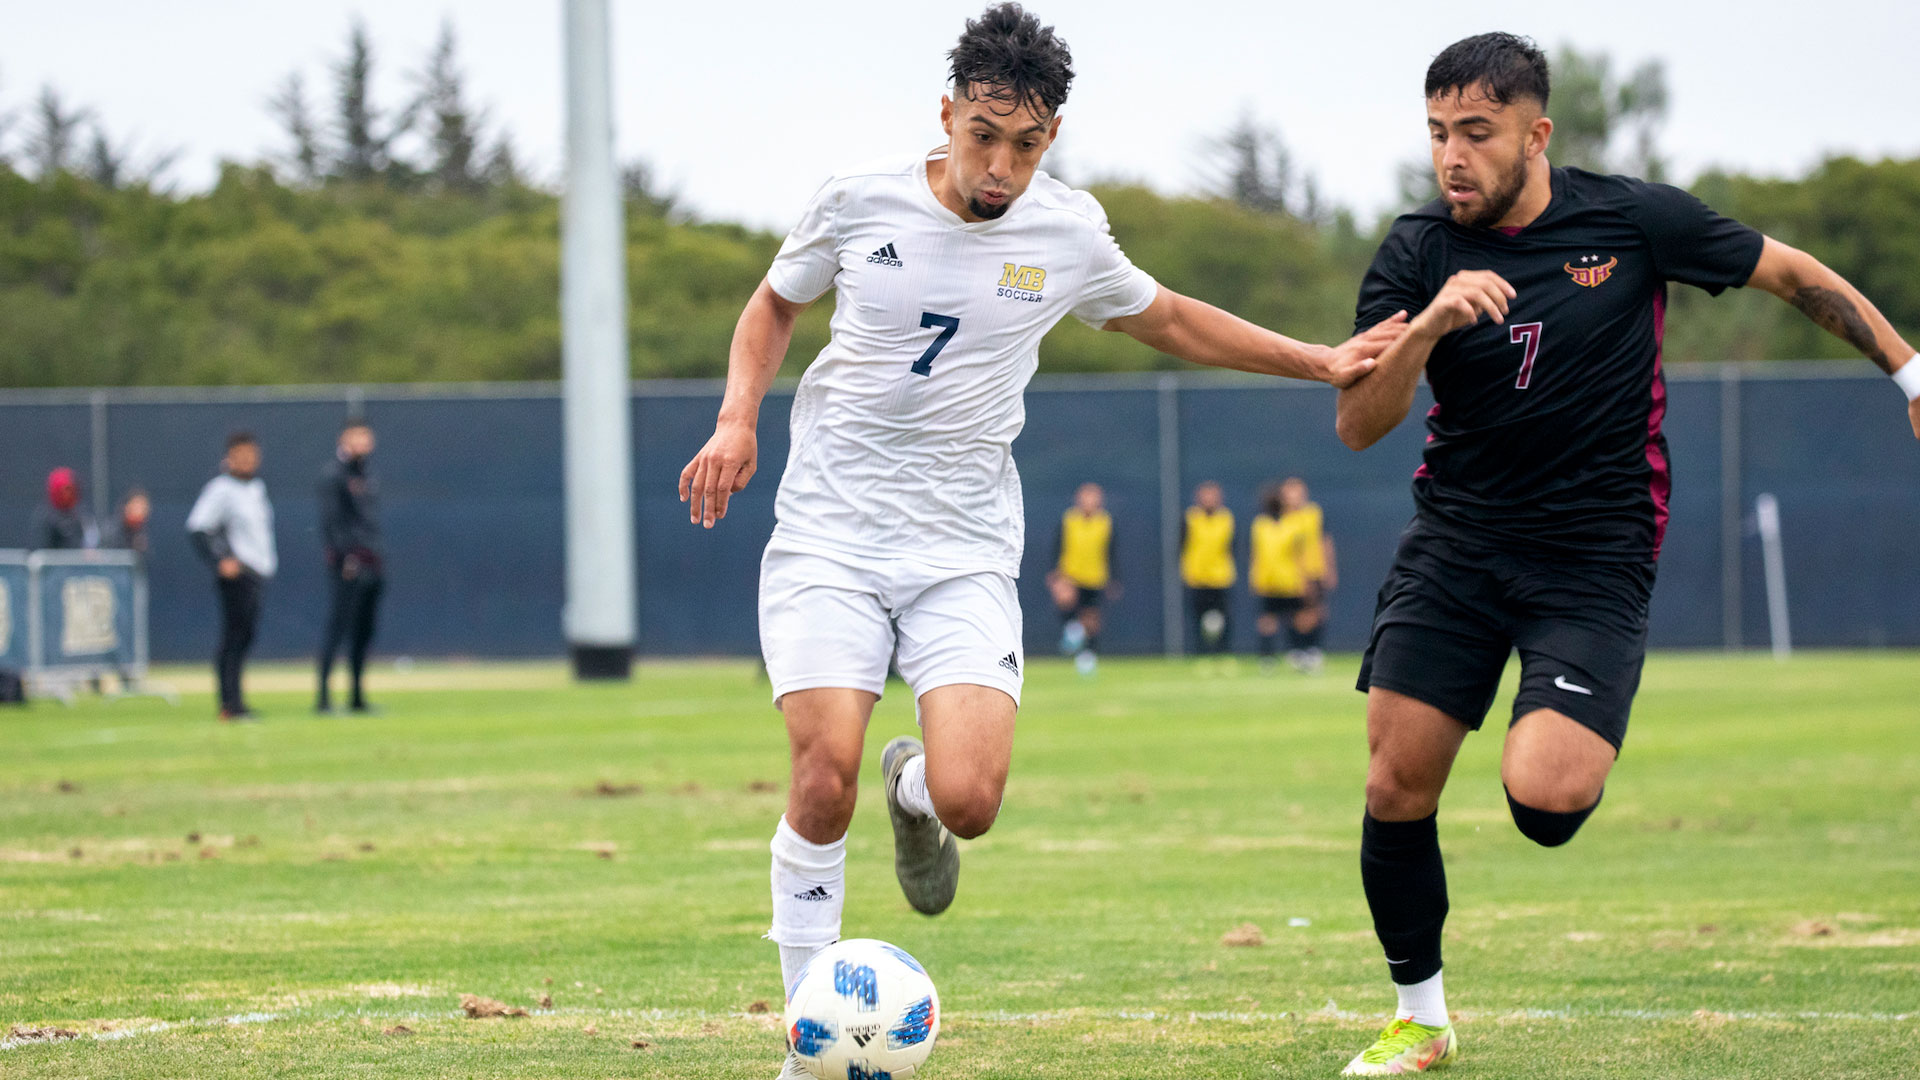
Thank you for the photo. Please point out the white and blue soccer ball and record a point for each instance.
(862, 1010)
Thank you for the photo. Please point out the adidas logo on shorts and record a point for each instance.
(886, 256)
(1011, 663)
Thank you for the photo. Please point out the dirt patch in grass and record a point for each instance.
(22, 1033)
(485, 1008)
(607, 789)
(1244, 936)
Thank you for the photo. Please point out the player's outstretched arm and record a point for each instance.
(1833, 303)
(1200, 333)
(727, 462)
(1376, 405)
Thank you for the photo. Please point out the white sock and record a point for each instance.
(809, 893)
(1424, 1002)
(912, 790)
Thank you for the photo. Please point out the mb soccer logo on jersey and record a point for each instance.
(1591, 270)
(1021, 283)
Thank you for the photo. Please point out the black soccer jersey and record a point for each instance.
(1545, 433)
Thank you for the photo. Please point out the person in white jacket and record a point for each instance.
(231, 525)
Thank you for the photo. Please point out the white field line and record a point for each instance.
(994, 1016)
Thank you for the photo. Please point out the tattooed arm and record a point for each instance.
(1836, 306)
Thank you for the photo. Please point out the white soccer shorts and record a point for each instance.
(835, 620)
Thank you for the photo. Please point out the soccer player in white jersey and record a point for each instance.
(900, 523)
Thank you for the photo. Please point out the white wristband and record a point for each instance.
(1908, 377)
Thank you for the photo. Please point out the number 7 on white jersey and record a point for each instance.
(948, 324)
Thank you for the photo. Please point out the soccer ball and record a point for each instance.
(862, 1010)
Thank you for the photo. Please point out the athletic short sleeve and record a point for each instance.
(810, 257)
(1397, 280)
(1691, 244)
(1115, 287)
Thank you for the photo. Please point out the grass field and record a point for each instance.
(204, 901)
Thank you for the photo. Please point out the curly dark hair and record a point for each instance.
(1012, 59)
(1507, 65)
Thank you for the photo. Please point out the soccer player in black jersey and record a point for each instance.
(1540, 294)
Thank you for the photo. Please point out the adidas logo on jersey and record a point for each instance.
(1011, 663)
(886, 256)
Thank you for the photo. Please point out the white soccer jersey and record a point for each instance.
(903, 428)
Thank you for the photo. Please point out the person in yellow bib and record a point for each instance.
(1207, 567)
(1291, 571)
(1082, 573)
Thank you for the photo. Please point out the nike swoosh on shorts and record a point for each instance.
(1561, 682)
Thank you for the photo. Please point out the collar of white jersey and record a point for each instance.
(952, 220)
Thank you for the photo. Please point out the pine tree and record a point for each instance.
(53, 140)
(363, 148)
(289, 106)
(454, 134)
(1250, 165)
(643, 191)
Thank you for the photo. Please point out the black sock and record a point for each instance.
(1295, 640)
(1266, 644)
(1406, 886)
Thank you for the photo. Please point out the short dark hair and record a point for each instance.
(241, 438)
(355, 422)
(1507, 66)
(1018, 60)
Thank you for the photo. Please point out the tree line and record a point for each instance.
(406, 242)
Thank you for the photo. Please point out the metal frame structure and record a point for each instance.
(60, 679)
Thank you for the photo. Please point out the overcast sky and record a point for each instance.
(747, 106)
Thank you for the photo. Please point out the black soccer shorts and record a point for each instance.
(1282, 606)
(1450, 613)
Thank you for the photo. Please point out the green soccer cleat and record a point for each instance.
(926, 857)
(1405, 1047)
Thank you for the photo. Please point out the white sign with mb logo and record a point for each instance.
(87, 625)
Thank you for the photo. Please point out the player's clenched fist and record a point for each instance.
(1466, 296)
(722, 467)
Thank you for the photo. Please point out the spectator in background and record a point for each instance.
(61, 524)
(1083, 568)
(1206, 566)
(350, 528)
(128, 532)
(231, 525)
(1291, 571)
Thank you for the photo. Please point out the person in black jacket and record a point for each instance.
(350, 528)
(63, 524)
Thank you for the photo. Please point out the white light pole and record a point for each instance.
(599, 615)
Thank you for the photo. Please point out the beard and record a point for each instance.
(1498, 201)
(985, 212)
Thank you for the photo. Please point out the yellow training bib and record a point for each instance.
(1085, 543)
(1206, 559)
